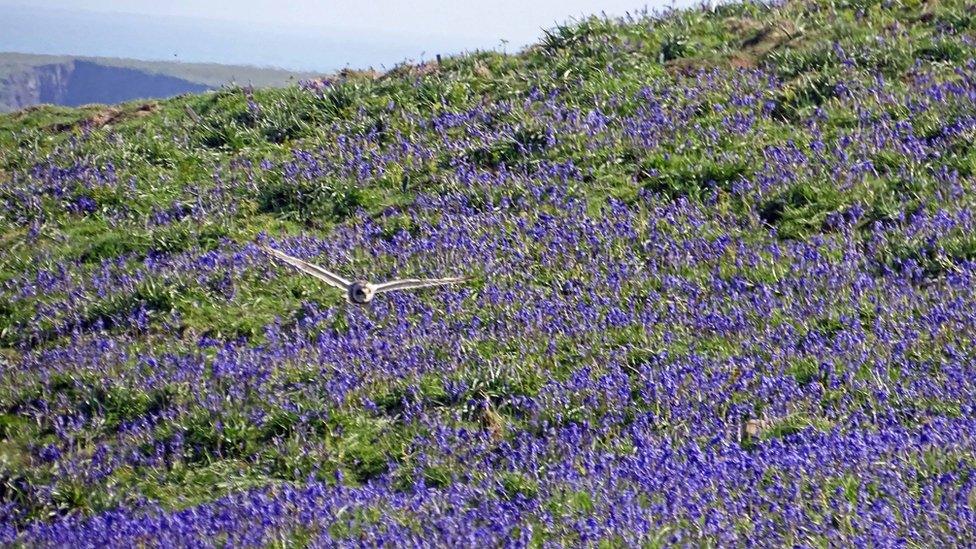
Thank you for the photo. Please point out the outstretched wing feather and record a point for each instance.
(413, 283)
(314, 270)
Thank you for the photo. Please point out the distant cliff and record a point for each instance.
(27, 80)
(77, 83)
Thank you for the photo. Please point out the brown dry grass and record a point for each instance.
(109, 116)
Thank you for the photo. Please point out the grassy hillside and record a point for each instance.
(723, 293)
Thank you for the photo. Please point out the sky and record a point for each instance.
(321, 35)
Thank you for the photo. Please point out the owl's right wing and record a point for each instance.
(324, 275)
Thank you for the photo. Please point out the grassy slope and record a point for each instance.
(169, 152)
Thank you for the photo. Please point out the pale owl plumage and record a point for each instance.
(358, 291)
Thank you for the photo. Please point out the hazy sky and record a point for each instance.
(300, 34)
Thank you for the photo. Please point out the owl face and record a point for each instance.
(360, 292)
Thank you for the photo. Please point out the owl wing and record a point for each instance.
(413, 283)
(324, 275)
